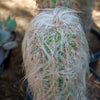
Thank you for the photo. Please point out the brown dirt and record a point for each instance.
(12, 78)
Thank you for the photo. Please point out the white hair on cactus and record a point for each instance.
(55, 55)
(85, 6)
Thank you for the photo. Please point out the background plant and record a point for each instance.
(6, 27)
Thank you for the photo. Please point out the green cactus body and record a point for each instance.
(59, 55)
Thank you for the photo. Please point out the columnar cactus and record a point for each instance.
(55, 55)
(85, 6)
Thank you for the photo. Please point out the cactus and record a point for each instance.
(76, 4)
(54, 3)
(4, 36)
(55, 55)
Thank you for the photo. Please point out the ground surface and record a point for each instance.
(11, 80)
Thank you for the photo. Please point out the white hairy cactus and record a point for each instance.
(55, 55)
(85, 6)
